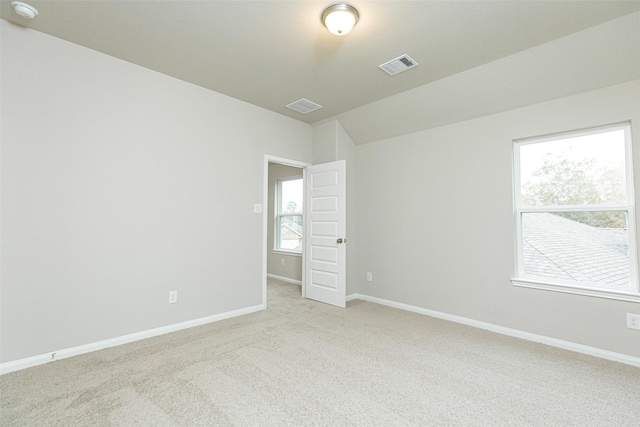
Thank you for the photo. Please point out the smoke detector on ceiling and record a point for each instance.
(24, 10)
(398, 65)
(304, 106)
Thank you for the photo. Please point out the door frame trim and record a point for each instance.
(265, 211)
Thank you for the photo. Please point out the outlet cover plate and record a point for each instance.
(633, 321)
(173, 297)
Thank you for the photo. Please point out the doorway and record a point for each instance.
(283, 222)
(323, 223)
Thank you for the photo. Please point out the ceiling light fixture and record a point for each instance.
(24, 10)
(340, 18)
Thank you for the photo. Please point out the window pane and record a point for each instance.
(582, 170)
(590, 247)
(291, 197)
(291, 232)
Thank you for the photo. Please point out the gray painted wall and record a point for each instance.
(120, 184)
(292, 269)
(435, 222)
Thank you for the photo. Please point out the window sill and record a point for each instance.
(621, 295)
(285, 252)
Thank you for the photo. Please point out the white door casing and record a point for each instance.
(325, 242)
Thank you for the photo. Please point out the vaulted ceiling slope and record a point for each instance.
(271, 53)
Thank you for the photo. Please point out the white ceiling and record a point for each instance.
(271, 53)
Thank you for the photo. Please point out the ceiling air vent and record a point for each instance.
(304, 106)
(398, 65)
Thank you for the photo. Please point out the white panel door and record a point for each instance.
(325, 243)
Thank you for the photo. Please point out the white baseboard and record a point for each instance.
(41, 359)
(566, 345)
(285, 279)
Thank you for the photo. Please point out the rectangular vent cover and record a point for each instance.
(398, 65)
(304, 106)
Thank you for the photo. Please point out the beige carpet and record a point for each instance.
(304, 363)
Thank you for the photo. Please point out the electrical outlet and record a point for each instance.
(633, 321)
(173, 297)
(281, 261)
(369, 276)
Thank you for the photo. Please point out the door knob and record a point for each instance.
(341, 241)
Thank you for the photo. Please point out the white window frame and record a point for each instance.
(630, 294)
(278, 214)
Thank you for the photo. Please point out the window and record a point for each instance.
(574, 213)
(289, 209)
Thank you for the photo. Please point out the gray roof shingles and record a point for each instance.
(559, 248)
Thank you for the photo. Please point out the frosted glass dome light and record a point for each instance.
(340, 18)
